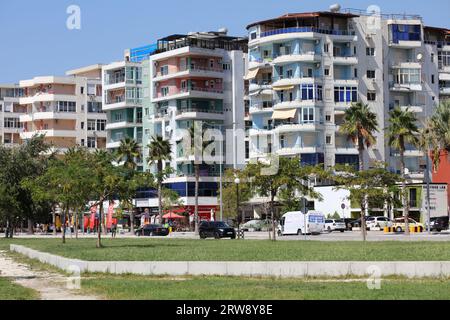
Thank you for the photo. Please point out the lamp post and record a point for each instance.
(237, 181)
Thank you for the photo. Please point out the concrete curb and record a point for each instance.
(283, 269)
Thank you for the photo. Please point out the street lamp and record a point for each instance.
(237, 181)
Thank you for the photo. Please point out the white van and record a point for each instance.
(294, 223)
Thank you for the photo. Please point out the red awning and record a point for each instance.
(172, 216)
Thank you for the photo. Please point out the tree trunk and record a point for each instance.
(64, 227)
(76, 225)
(30, 227)
(272, 215)
(130, 208)
(99, 226)
(404, 193)
(197, 178)
(160, 208)
(8, 227)
(54, 220)
(363, 220)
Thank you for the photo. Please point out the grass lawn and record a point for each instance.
(12, 291)
(145, 249)
(228, 288)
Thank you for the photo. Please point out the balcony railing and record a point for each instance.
(307, 29)
(202, 110)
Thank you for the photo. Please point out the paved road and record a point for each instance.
(335, 236)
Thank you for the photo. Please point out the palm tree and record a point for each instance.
(197, 163)
(128, 153)
(440, 126)
(159, 152)
(402, 129)
(359, 126)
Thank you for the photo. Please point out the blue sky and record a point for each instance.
(35, 40)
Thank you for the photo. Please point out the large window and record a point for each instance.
(407, 76)
(444, 59)
(402, 32)
(307, 115)
(95, 107)
(91, 142)
(345, 94)
(67, 106)
(91, 125)
(311, 92)
(13, 123)
(101, 125)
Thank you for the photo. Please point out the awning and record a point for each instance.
(284, 114)
(283, 88)
(251, 74)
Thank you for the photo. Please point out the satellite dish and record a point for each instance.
(335, 7)
(419, 57)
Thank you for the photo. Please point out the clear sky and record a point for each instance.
(35, 40)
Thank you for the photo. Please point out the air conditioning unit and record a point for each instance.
(317, 65)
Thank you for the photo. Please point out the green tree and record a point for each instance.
(439, 126)
(229, 190)
(128, 153)
(402, 130)
(159, 152)
(377, 183)
(359, 126)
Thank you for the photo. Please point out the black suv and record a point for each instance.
(216, 229)
(152, 230)
(439, 224)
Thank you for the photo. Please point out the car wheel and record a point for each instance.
(398, 229)
(202, 235)
(329, 230)
(233, 237)
(342, 231)
(280, 234)
(216, 235)
(299, 232)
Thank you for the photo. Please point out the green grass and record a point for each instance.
(230, 288)
(12, 291)
(249, 250)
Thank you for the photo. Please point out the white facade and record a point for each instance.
(10, 112)
(67, 110)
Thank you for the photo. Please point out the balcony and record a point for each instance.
(282, 81)
(346, 150)
(411, 108)
(256, 85)
(261, 108)
(298, 149)
(345, 60)
(121, 125)
(199, 113)
(260, 132)
(294, 58)
(405, 87)
(303, 32)
(303, 127)
(50, 133)
(279, 105)
(48, 115)
(195, 92)
(192, 72)
(444, 91)
(121, 103)
(347, 82)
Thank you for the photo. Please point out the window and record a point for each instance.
(328, 140)
(91, 89)
(91, 125)
(328, 118)
(67, 106)
(91, 142)
(253, 36)
(311, 92)
(211, 63)
(432, 58)
(164, 70)
(326, 72)
(164, 91)
(282, 141)
(101, 125)
(95, 107)
(118, 117)
(345, 94)
(326, 47)
(370, 74)
(12, 123)
(289, 74)
(82, 125)
(226, 66)
(307, 115)
(407, 76)
(370, 51)
(82, 142)
(371, 96)
(82, 90)
(432, 78)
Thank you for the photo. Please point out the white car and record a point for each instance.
(378, 222)
(334, 225)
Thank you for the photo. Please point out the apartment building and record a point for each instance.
(305, 70)
(10, 111)
(196, 77)
(67, 110)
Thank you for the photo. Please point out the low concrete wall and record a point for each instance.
(284, 269)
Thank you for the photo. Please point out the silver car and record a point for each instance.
(334, 225)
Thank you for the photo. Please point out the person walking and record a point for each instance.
(113, 230)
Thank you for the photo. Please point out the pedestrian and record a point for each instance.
(113, 230)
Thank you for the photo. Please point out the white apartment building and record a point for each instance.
(122, 101)
(10, 111)
(305, 70)
(196, 77)
(67, 110)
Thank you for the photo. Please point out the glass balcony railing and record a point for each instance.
(307, 29)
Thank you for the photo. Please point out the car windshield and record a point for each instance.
(221, 224)
(340, 221)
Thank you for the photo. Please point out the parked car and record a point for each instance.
(335, 225)
(399, 224)
(348, 223)
(216, 229)
(151, 230)
(440, 223)
(293, 223)
(256, 225)
(357, 223)
(378, 222)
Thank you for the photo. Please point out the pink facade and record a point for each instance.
(63, 89)
(176, 86)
